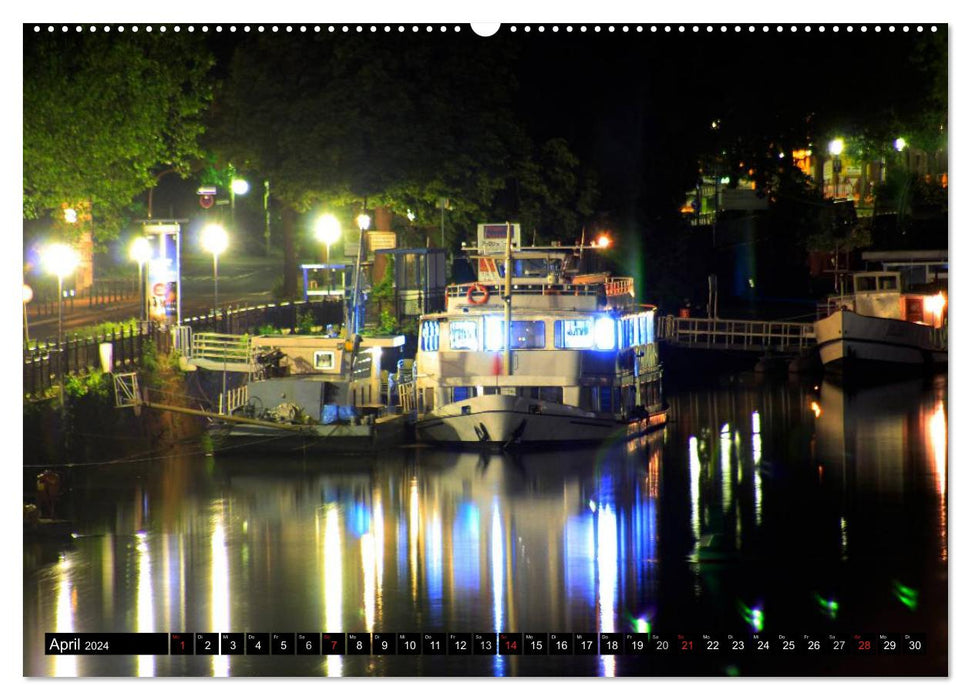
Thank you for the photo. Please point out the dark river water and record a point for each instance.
(763, 508)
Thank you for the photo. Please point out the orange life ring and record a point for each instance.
(476, 301)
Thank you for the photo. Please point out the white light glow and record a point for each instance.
(240, 186)
(327, 229)
(215, 240)
(60, 259)
(605, 333)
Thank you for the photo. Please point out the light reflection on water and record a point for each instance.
(751, 494)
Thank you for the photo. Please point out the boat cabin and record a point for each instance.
(880, 294)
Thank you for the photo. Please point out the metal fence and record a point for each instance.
(100, 293)
(78, 354)
(45, 362)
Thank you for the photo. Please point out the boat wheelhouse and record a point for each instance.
(535, 353)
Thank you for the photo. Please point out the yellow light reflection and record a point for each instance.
(367, 567)
(414, 522)
(725, 465)
(694, 479)
(145, 664)
(333, 582)
(817, 411)
(937, 429)
(64, 617)
(378, 529)
(219, 592)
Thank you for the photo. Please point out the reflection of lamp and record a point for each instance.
(60, 260)
(140, 251)
(215, 240)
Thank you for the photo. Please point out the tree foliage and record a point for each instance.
(104, 112)
(335, 122)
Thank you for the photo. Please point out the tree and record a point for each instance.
(335, 122)
(103, 113)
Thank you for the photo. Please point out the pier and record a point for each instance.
(779, 337)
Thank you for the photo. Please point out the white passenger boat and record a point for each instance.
(879, 324)
(535, 353)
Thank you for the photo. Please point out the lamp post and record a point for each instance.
(835, 149)
(140, 251)
(28, 295)
(327, 230)
(214, 241)
(363, 223)
(60, 260)
(237, 186)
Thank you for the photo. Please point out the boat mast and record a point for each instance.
(507, 301)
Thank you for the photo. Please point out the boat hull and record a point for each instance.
(338, 438)
(506, 421)
(846, 337)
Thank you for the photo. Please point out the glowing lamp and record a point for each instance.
(239, 186)
(327, 229)
(899, 143)
(214, 239)
(140, 250)
(603, 240)
(363, 221)
(835, 147)
(60, 259)
(605, 333)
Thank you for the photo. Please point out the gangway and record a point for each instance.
(221, 352)
(782, 337)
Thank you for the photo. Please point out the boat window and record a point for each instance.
(464, 335)
(573, 333)
(429, 336)
(888, 283)
(526, 335)
(323, 359)
(866, 284)
(461, 393)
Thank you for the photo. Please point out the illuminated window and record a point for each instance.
(605, 333)
(574, 333)
(323, 359)
(429, 336)
(464, 335)
(526, 335)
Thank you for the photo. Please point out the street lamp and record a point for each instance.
(363, 223)
(900, 144)
(28, 295)
(140, 251)
(327, 230)
(236, 187)
(835, 149)
(60, 260)
(214, 241)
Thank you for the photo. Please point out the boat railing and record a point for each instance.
(732, 334)
(233, 399)
(454, 291)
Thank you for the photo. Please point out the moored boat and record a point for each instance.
(880, 325)
(535, 352)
